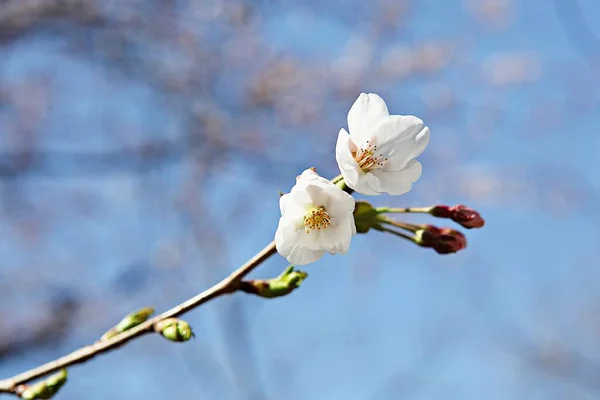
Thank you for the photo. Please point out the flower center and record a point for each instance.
(316, 219)
(367, 157)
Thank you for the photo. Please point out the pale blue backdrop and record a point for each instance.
(239, 98)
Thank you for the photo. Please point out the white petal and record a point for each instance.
(331, 197)
(395, 182)
(343, 233)
(347, 164)
(363, 186)
(303, 256)
(406, 146)
(341, 204)
(395, 129)
(288, 234)
(308, 175)
(289, 243)
(318, 194)
(284, 243)
(299, 195)
(336, 238)
(364, 115)
(293, 205)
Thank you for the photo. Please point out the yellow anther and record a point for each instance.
(367, 159)
(316, 219)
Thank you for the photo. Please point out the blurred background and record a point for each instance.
(143, 145)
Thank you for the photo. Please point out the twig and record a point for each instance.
(226, 286)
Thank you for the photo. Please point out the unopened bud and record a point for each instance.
(131, 320)
(463, 215)
(46, 388)
(442, 240)
(174, 329)
(276, 287)
(365, 217)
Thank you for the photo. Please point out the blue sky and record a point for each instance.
(387, 320)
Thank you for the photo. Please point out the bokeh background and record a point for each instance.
(143, 145)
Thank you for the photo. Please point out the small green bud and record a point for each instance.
(131, 320)
(174, 329)
(276, 287)
(365, 217)
(46, 388)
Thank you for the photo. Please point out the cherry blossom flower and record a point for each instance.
(378, 155)
(316, 217)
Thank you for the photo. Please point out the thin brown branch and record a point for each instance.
(226, 286)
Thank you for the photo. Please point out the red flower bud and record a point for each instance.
(442, 240)
(463, 215)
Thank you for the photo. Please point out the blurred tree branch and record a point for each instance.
(147, 156)
(51, 328)
(227, 286)
(18, 16)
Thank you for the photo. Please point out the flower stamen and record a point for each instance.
(367, 157)
(316, 219)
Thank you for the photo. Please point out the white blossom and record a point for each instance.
(378, 155)
(316, 217)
